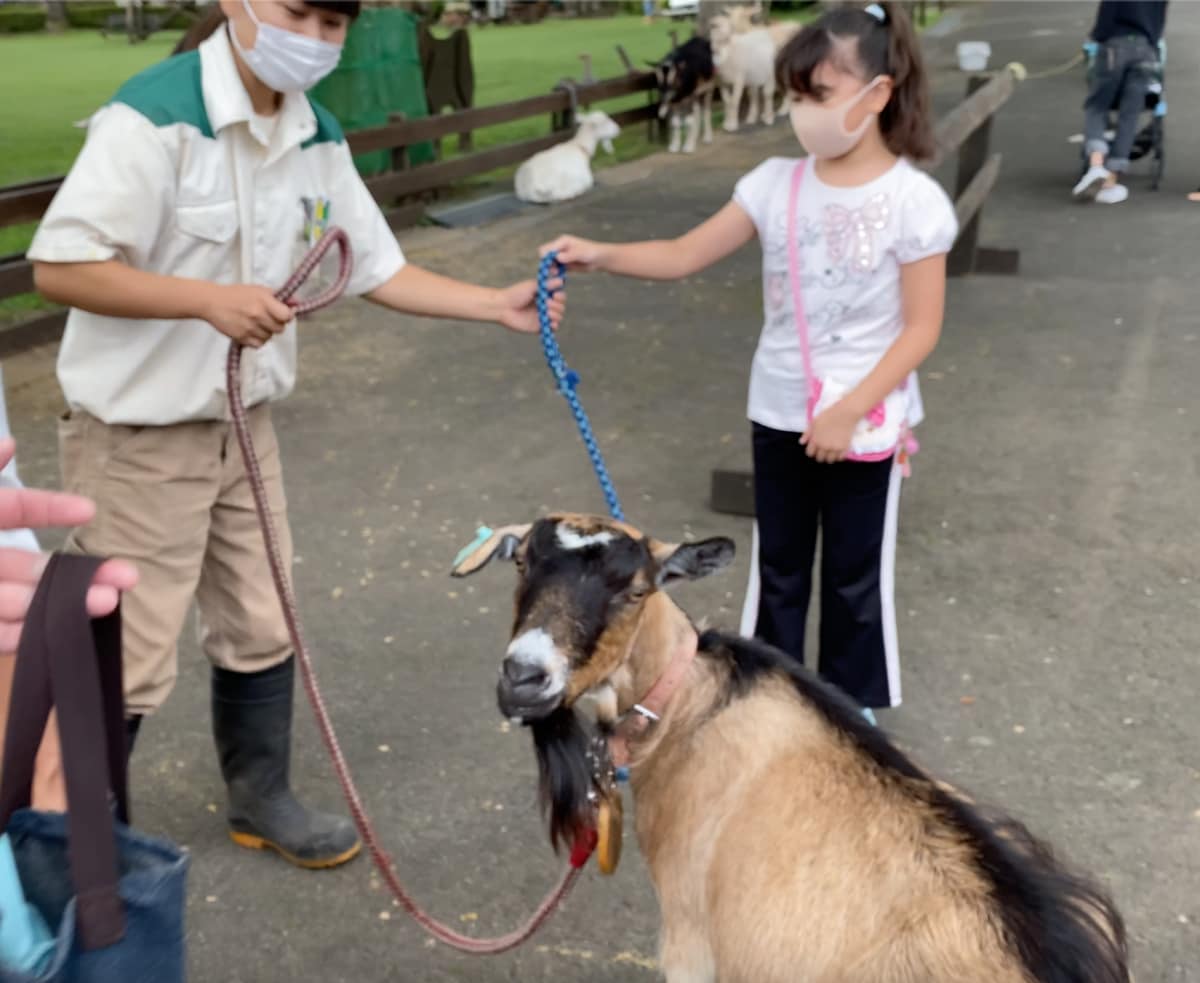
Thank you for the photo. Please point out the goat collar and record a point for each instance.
(653, 705)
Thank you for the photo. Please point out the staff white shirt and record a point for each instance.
(179, 177)
(853, 242)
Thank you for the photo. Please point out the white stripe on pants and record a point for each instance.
(887, 587)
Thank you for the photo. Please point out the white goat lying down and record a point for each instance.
(565, 171)
(744, 61)
(788, 839)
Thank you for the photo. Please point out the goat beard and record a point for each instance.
(565, 778)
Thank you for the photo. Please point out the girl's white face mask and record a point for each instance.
(822, 131)
(284, 60)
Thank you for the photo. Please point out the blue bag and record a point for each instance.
(111, 899)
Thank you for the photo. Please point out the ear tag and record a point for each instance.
(610, 823)
(481, 537)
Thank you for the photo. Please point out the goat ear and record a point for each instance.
(489, 544)
(691, 561)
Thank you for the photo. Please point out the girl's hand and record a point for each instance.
(577, 254)
(518, 307)
(248, 314)
(828, 438)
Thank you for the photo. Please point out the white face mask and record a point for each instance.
(284, 60)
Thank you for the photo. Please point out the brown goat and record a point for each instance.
(788, 839)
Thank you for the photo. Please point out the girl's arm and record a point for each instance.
(416, 291)
(923, 293)
(663, 259)
(248, 314)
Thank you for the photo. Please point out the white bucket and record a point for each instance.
(973, 55)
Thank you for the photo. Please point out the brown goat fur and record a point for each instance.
(787, 838)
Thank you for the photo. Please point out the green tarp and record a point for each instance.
(379, 74)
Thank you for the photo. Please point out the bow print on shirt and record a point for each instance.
(850, 234)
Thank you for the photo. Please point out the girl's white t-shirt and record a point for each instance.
(853, 242)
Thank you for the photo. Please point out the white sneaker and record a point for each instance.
(1090, 183)
(1114, 194)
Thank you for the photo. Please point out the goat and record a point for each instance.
(744, 61)
(788, 839)
(686, 82)
(741, 21)
(564, 171)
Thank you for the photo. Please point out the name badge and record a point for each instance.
(316, 219)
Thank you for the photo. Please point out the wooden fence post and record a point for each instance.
(976, 165)
(971, 155)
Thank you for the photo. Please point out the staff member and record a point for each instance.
(198, 188)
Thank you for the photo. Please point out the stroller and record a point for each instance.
(1150, 141)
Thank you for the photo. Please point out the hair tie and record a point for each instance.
(877, 12)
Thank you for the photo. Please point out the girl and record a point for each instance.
(199, 187)
(854, 239)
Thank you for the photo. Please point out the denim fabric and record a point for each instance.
(1120, 75)
(152, 886)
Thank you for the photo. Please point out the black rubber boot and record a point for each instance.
(252, 725)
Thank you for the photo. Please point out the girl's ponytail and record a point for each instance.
(907, 121)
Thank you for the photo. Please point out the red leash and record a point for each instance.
(583, 848)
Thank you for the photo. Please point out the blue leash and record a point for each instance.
(567, 379)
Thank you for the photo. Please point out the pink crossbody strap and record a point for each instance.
(793, 246)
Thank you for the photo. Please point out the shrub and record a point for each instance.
(16, 20)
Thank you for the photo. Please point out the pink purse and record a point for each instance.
(883, 431)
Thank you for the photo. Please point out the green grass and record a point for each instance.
(61, 80)
(64, 78)
(69, 76)
(514, 62)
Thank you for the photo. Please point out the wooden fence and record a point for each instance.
(401, 192)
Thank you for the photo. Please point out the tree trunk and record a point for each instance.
(56, 15)
(705, 12)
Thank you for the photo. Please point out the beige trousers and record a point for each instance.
(176, 502)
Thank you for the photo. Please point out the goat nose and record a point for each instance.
(522, 674)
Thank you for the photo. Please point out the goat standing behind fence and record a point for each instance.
(744, 61)
(788, 839)
(686, 80)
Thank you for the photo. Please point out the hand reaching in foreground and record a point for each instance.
(20, 570)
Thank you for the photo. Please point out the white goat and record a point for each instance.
(741, 18)
(744, 61)
(565, 171)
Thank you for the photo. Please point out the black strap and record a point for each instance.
(72, 663)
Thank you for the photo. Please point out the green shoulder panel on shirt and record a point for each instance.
(329, 130)
(169, 93)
